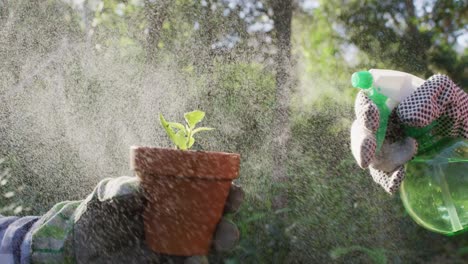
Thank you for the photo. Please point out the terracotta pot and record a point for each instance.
(185, 192)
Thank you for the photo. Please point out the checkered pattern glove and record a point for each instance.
(439, 98)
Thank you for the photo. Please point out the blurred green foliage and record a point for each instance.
(403, 35)
(335, 212)
(376, 255)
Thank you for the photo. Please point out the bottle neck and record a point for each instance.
(430, 143)
(426, 137)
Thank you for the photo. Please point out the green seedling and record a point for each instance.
(180, 135)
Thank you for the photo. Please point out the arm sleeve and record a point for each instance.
(14, 239)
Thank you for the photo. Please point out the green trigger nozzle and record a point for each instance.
(362, 79)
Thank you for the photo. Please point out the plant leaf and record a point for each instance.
(168, 128)
(180, 140)
(194, 117)
(255, 217)
(176, 125)
(196, 130)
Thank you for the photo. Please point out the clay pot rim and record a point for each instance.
(200, 164)
(137, 147)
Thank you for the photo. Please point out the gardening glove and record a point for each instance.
(438, 99)
(107, 227)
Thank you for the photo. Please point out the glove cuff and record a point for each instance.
(51, 235)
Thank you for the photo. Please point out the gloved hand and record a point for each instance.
(439, 98)
(107, 227)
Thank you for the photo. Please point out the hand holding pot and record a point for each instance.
(438, 99)
(107, 227)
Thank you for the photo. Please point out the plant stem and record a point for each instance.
(189, 135)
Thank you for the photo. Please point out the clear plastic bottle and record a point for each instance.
(435, 189)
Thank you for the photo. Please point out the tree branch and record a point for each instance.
(156, 14)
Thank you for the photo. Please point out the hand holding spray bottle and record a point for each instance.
(435, 113)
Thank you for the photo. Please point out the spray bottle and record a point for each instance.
(435, 189)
